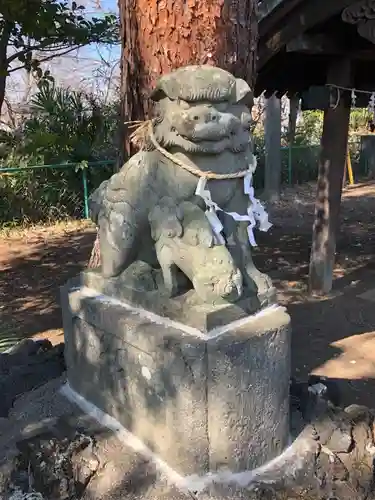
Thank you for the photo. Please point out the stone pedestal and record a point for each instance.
(201, 400)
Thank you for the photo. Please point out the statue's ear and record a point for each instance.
(157, 94)
(244, 93)
(167, 86)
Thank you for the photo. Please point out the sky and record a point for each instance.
(91, 57)
(79, 69)
(106, 6)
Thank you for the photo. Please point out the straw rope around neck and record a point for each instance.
(145, 129)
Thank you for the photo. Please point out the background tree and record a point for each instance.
(35, 31)
(158, 37)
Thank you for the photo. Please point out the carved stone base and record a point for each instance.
(142, 287)
(201, 400)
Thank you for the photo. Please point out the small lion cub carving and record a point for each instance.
(184, 240)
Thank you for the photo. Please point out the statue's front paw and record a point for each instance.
(228, 288)
(260, 284)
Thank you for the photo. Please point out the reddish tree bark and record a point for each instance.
(161, 35)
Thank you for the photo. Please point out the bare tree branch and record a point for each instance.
(48, 58)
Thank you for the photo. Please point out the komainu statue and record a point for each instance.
(184, 203)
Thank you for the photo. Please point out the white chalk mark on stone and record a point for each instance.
(159, 320)
(289, 461)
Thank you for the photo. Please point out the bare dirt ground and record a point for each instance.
(332, 336)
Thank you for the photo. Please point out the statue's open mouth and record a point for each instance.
(209, 146)
(211, 132)
(230, 142)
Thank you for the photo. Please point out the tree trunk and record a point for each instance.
(4, 42)
(368, 154)
(293, 114)
(161, 35)
(272, 135)
(2, 90)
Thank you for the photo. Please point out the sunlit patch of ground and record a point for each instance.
(355, 361)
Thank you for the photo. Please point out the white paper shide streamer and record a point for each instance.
(256, 214)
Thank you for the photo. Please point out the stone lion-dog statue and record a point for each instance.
(201, 128)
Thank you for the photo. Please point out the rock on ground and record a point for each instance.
(26, 366)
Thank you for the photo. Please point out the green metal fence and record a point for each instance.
(83, 167)
(299, 165)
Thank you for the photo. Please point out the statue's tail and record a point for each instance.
(96, 201)
(95, 259)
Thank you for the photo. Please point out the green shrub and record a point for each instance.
(65, 126)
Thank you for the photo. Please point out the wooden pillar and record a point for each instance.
(272, 137)
(330, 179)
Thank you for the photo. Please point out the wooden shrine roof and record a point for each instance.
(298, 39)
